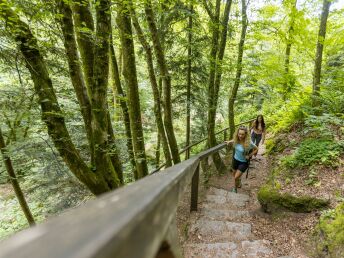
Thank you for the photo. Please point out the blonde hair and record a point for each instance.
(247, 140)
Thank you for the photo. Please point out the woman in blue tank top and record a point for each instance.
(244, 149)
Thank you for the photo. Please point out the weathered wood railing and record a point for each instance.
(132, 222)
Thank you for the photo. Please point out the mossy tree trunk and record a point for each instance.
(14, 181)
(166, 78)
(319, 51)
(123, 103)
(75, 69)
(155, 89)
(100, 112)
(233, 93)
(215, 24)
(129, 71)
(85, 31)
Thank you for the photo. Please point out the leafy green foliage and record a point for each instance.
(315, 151)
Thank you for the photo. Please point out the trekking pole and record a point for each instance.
(248, 168)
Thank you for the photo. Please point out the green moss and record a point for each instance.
(276, 144)
(271, 200)
(331, 232)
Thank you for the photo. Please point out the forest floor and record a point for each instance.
(289, 234)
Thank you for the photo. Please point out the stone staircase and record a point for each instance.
(217, 232)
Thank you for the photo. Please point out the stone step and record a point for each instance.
(229, 215)
(227, 201)
(212, 231)
(228, 194)
(247, 249)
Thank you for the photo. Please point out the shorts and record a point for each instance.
(239, 165)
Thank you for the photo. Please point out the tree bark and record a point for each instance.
(290, 37)
(14, 181)
(84, 27)
(51, 112)
(211, 141)
(124, 107)
(155, 89)
(189, 83)
(100, 113)
(319, 51)
(129, 71)
(157, 152)
(75, 69)
(217, 54)
(160, 56)
(235, 88)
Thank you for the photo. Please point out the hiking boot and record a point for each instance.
(239, 183)
(234, 190)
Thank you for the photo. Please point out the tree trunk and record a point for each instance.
(215, 76)
(320, 47)
(290, 37)
(189, 83)
(155, 89)
(51, 112)
(211, 141)
(160, 56)
(84, 27)
(157, 152)
(15, 183)
(75, 69)
(124, 107)
(100, 113)
(129, 71)
(235, 88)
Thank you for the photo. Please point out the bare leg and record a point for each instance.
(237, 176)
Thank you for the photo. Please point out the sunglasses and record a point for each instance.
(242, 127)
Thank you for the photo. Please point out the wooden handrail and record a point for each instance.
(132, 221)
(198, 142)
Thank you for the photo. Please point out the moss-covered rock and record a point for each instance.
(271, 200)
(330, 233)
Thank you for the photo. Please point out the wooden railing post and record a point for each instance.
(187, 153)
(194, 190)
(224, 135)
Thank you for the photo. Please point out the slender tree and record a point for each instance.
(129, 71)
(85, 31)
(123, 103)
(14, 181)
(234, 90)
(166, 78)
(218, 45)
(154, 85)
(289, 38)
(320, 47)
(189, 83)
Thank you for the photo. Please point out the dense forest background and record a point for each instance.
(96, 94)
